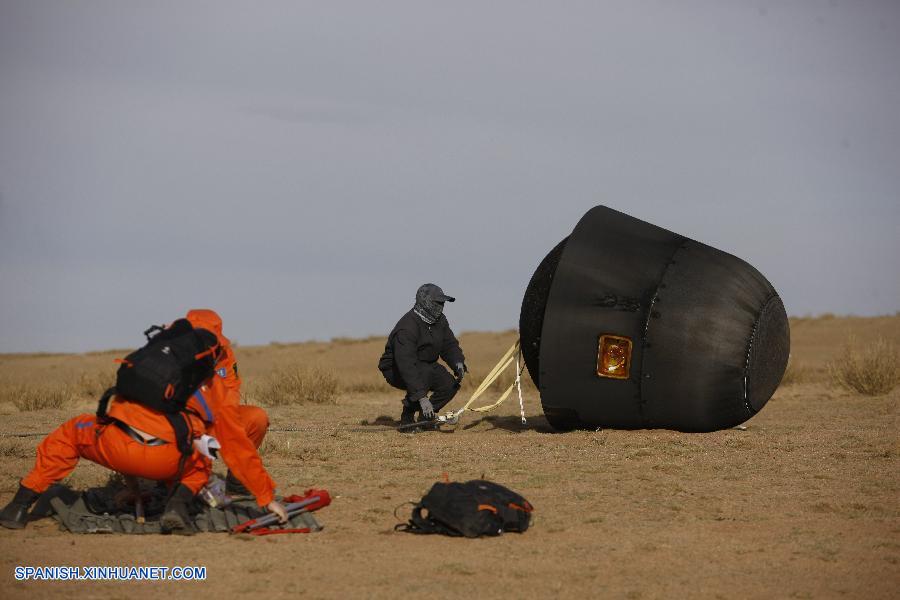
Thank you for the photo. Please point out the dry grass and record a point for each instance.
(285, 445)
(92, 384)
(29, 398)
(296, 386)
(278, 446)
(796, 372)
(360, 385)
(346, 341)
(871, 371)
(56, 394)
(15, 448)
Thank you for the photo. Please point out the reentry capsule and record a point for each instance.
(626, 325)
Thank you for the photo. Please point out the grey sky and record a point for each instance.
(303, 167)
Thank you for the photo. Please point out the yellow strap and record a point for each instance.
(508, 359)
(497, 403)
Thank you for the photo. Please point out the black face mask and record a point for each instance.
(427, 308)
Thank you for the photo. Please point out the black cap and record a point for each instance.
(434, 292)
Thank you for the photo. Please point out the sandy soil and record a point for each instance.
(803, 504)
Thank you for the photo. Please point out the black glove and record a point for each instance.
(461, 370)
(427, 408)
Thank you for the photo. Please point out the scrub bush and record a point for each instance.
(297, 386)
(872, 371)
(27, 398)
(369, 385)
(14, 448)
(794, 373)
(92, 384)
(274, 446)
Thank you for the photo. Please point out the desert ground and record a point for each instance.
(804, 503)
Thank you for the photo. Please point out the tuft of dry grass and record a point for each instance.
(297, 386)
(796, 372)
(278, 446)
(369, 385)
(28, 398)
(92, 384)
(347, 341)
(15, 448)
(872, 371)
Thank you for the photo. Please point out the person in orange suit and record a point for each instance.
(254, 419)
(140, 442)
(226, 366)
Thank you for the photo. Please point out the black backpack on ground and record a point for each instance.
(163, 373)
(470, 509)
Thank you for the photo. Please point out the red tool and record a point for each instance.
(311, 500)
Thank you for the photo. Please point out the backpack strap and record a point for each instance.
(417, 523)
(178, 422)
(103, 406)
(183, 440)
(424, 525)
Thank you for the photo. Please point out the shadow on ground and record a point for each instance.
(514, 424)
(509, 423)
(380, 421)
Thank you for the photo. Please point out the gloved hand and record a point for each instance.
(427, 408)
(208, 446)
(461, 370)
(276, 507)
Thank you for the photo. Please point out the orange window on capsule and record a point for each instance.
(614, 356)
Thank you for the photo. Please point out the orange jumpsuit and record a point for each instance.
(226, 367)
(253, 419)
(238, 428)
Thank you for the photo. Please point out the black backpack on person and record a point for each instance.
(471, 509)
(163, 373)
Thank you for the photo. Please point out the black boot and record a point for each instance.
(408, 420)
(177, 518)
(15, 514)
(234, 487)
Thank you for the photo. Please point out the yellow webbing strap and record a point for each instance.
(511, 357)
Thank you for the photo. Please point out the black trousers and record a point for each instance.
(438, 380)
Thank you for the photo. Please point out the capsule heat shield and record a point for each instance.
(710, 334)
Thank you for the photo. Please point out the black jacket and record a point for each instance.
(413, 341)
